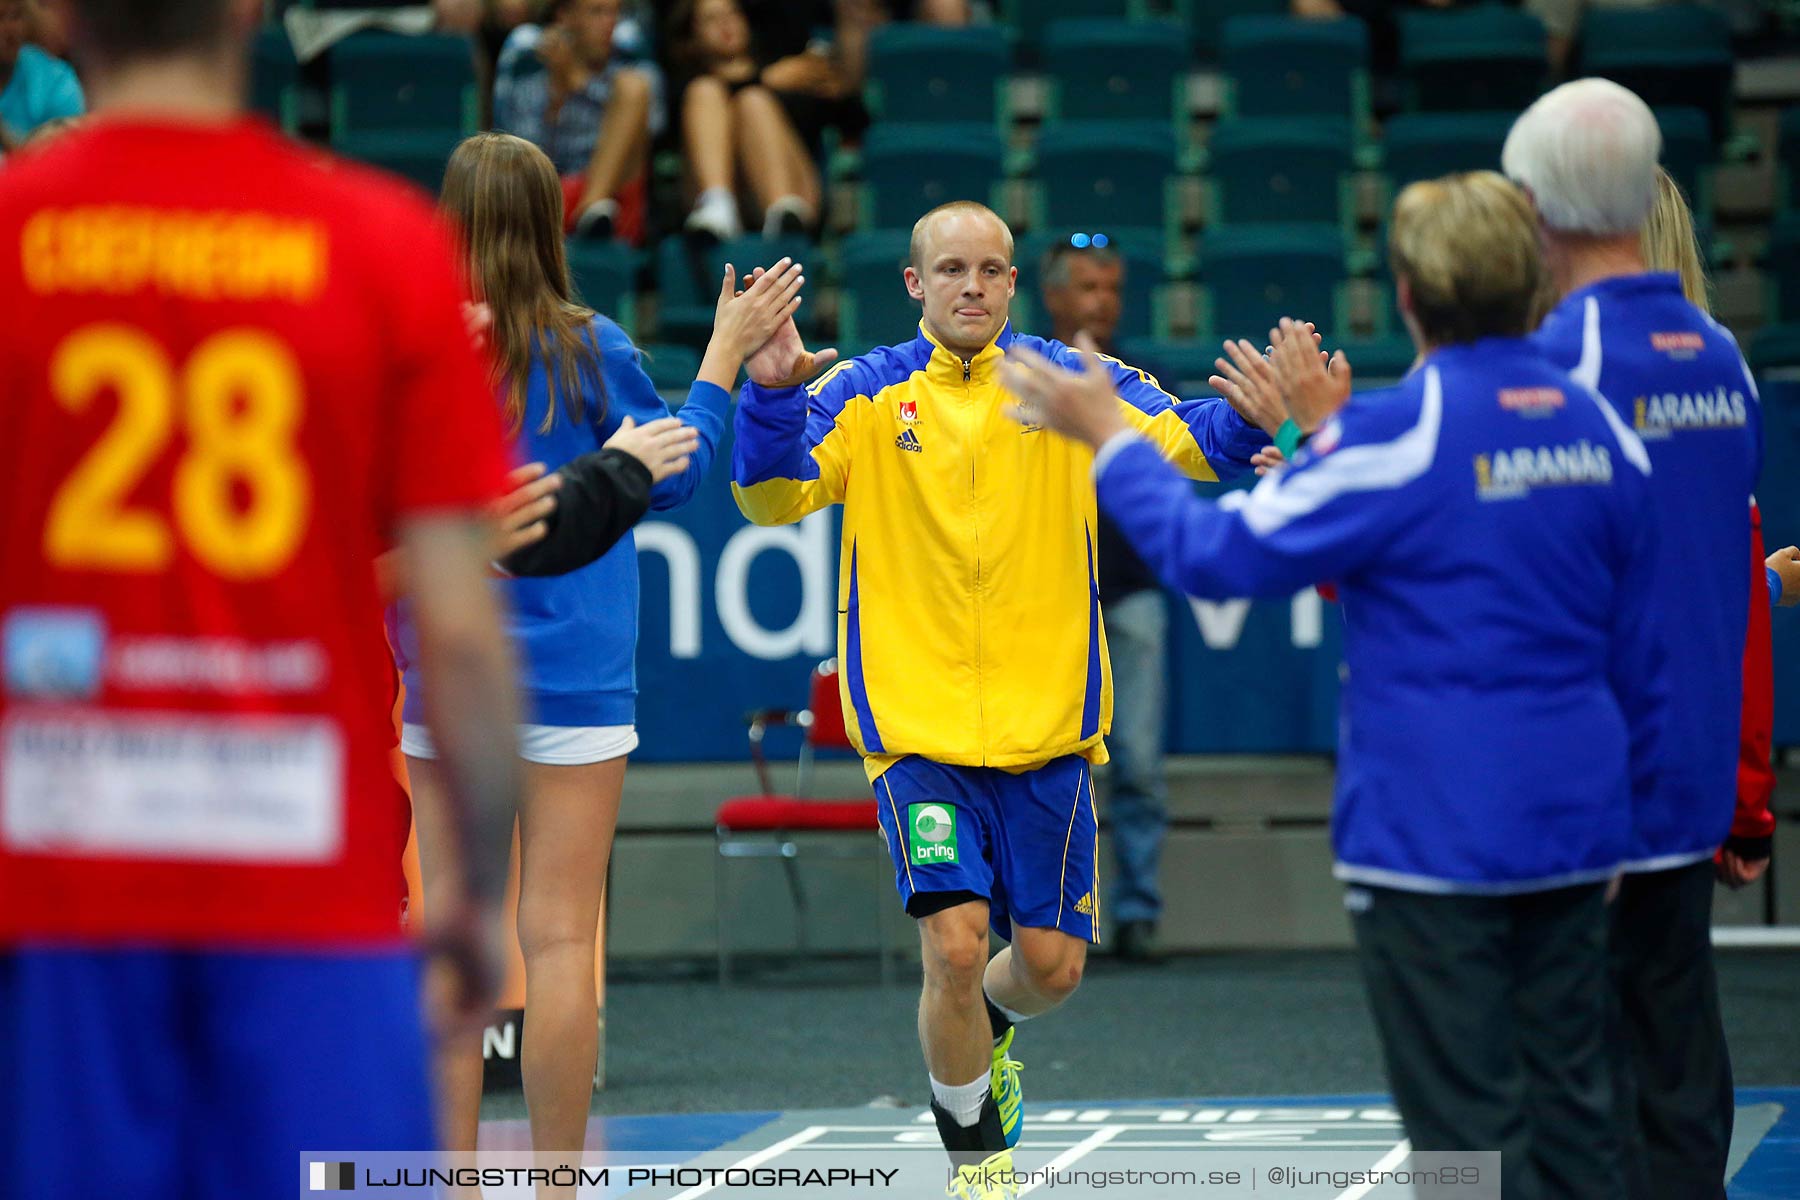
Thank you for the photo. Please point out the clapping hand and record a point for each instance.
(1311, 387)
(783, 361)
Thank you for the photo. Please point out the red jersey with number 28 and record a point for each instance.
(228, 366)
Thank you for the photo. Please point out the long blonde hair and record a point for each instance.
(1668, 241)
(505, 199)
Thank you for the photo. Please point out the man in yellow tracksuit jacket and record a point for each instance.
(972, 655)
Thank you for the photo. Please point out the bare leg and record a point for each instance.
(774, 160)
(623, 146)
(1040, 970)
(707, 128)
(953, 1024)
(565, 838)
(943, 12)
(456, 1065)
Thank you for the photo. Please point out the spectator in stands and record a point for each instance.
(49, 28)
(753, 109)
(1381, 16)
(1562, 19)
(565, 86)
(34, 86)
(1083, 288)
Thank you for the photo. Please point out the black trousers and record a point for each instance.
(1493, 1016)
(1674, 1081)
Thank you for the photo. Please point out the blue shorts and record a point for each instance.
(173, 1075)
(1027, 842)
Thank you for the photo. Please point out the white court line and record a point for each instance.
(759, 1158)
(1086, 1145)
(1388, 1162)
(1213, 1144)
(1757, 937)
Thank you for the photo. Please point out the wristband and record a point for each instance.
(1289, 438)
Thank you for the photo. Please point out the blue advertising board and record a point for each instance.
(733, 617)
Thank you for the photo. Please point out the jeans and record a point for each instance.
(1137, 634)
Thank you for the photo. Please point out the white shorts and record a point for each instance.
(551, 745)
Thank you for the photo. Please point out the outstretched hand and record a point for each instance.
(1311, 387)
(1077, 404)
(784, 361)
(1249, 384)
(744, 320)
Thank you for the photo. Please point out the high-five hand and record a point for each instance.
(784, 361)
(1312, 390)
(745, 320)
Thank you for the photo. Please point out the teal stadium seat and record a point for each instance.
(671, 367)
(1376, 362)
(1102, 174)
(275, 78)
(1482, 58)
(1775, 347)
(1031, 19)
(909, 169)
(1206, 20)
(1253, 275)
(1279, 169)
(403, 102)
(923, 73)
(1417, 146)
(1280, 67)
(1689, 154)
(385, 81)
(605, 278)
(873, 307)
(685, 296)
(1673, 54)
(1141, 312)
(1787, 157)
(1113, 70)
(1782, 271)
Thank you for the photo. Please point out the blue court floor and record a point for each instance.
(1344, 1131)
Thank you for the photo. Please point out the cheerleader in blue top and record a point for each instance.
(569, 381)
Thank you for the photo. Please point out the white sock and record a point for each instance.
(963, 1101)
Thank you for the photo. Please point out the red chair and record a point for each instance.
(767, 824)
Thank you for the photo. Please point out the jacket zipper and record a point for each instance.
(975, 521)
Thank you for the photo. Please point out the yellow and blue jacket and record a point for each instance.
(969, 625)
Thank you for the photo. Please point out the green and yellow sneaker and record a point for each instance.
(1009, 1094)
(990, 1179)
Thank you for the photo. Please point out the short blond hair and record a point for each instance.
(1467, 247)
(1668, 241)
(916, 250)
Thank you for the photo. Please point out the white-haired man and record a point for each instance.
(1587, 152)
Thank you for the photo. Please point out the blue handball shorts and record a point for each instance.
(1027, 842)
(177, 1075)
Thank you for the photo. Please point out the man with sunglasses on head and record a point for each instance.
(1082, 281)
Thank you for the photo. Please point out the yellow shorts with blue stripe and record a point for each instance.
(1027, 842)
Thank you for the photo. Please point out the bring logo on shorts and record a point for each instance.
(932, 839)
